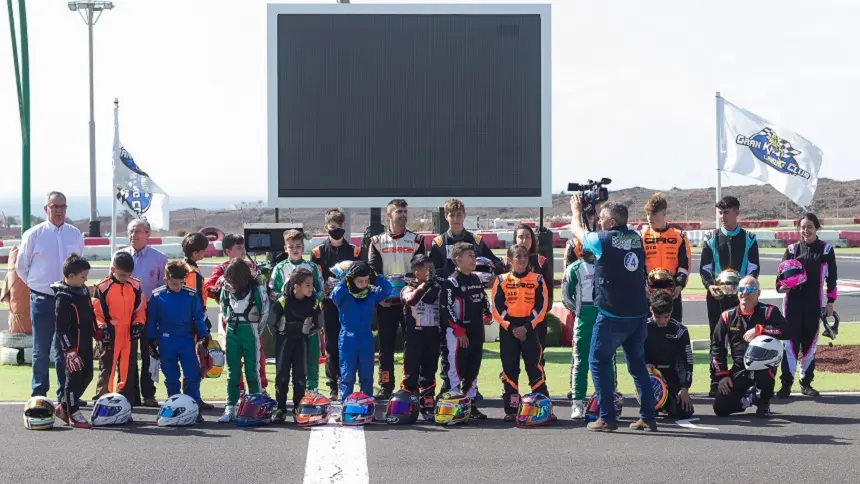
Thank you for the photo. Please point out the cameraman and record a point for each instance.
(622, 306)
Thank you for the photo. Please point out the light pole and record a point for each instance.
(87, 10)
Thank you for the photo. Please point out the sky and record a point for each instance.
(633, 90)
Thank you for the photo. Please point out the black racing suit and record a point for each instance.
(421, 342)
(327, 256)
(543, 266)
(288, 315)
(736, 249)
(464, 307)
(440, 252)
(75, 328)
(733, 324)
(668, 349)
(803, 306)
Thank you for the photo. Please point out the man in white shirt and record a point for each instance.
(43, 250)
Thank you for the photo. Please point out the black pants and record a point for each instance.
(672, 407)
(78, 381)
(290, 355)
(715, 310)
(145, 383)
(511, 349)
(389, 320)
(420, 362)
(804, 323)
(131, 390)
(678, 310)
(741, 382)
(541, 333)
(464, 364)
(331, 317)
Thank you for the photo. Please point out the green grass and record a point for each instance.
(15, 380)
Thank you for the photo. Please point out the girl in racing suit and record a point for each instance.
(803, 305)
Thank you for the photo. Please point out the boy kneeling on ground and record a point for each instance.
(668, 349)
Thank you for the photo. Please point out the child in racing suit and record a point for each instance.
(356, 300)
(75, 329)
(295, 315)
(173, 315)
(577, 292)
(421, 343)
(466, 310)
(519, 302)
(244, 305)
(668, 349)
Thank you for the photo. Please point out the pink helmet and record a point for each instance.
(790, 274)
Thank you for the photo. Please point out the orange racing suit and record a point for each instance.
(120, 310)
(668, 249)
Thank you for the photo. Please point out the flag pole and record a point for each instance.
(113, 177)
(720, 114)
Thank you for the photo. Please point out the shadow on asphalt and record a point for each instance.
(149, 428)
(756, 438)
(825, 399)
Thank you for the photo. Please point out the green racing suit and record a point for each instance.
(244, 314)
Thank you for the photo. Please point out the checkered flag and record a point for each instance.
(783, 145)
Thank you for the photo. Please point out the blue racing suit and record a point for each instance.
(171, 318)
(355, 342)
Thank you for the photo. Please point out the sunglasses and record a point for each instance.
(748, 290)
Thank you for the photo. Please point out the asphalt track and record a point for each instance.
(807, 441)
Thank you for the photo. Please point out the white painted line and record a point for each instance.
(687, 424)
(336, 454)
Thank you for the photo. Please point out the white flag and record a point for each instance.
(753, 146)
(135, 191)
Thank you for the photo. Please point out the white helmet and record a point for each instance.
(39, 414)
(111, 409)
(763, 353)
(178, 410)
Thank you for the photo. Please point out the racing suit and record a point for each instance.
(280, 276)
(326, 256)
(733, 324)
(543, 266)
(668, 248)
(421, 342)
(214, 286)
(243, 313)
(120, 311)
(577, 292)
(440, 252)
(668, 349)
(355, 342)
(390, 254)
(803, 306)
(288, 314)
(519, 300)
(173, 319)
(736, 249)
(75, 329)
(464, 306)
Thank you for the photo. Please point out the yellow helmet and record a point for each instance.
(452, 409)
(727, 282)
(39, 414)
(217, 358)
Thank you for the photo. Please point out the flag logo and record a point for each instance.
(777, 152)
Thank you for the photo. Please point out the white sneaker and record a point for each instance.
(229, 412)
(79, 421)
(577, 409)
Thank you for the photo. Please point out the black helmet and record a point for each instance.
(402, 408)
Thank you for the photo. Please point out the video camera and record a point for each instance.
(592, 193)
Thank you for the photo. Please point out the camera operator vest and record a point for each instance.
(619, 274)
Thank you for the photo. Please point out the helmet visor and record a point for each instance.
(171, 412)
(757, 353)
(791, 272)
(529, 410)
(105, 411)
(400, 408)
(354, 409)
(447, 409)
(312, 410)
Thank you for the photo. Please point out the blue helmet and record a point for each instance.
(255, 409)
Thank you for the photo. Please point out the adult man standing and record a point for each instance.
(729, 247)
(666, 248)
(43, 250)
(149, 264)
(391, 253)
(619, 272)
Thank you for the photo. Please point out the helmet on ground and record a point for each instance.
(661, 280)
(358, 409)
(111, 409)
(727, 282)
(452, 409)
(485, 270)
(763, 353)
(592, 410)
(831, 329)
(790, 274)
(39, 414)
(178, 410)
(340, 269)
(658, 385)
(402, 408)
(535, 410)
(216, 359)
(255, 409)
(314, 409)
(398, 282)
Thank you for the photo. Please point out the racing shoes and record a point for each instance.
(577, 409)
(784, 391)
(79, 421)
(61, 413)
(763, 411)
(809, 391)
(229, 412)
(476, 414)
